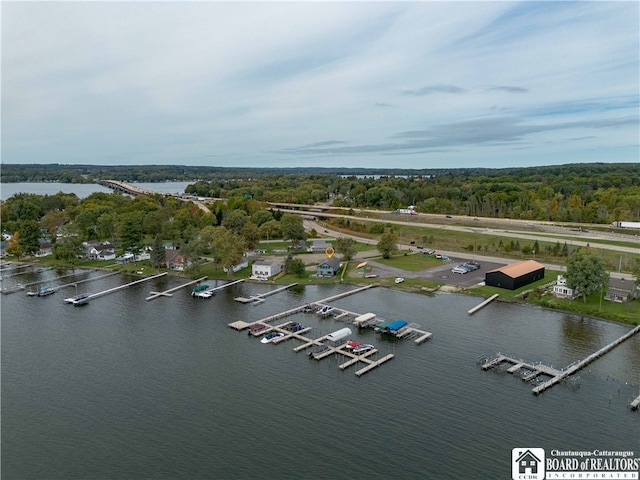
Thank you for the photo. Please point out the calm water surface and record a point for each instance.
(82, 190)
(164, 389)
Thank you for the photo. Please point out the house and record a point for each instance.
(176, 261)
(621, 290)
(515, 275)
(328, 268)
(560, 289)
(318, 246)
(126, 257)
(101, 251)
(244, 263)
(263, 269)
(46, 248)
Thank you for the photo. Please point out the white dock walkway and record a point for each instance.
(168, 293)
(121, 287)
(262, 296)
(486, 302)
(636, 403)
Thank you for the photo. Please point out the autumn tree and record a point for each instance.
(586, 273)
(387, 245)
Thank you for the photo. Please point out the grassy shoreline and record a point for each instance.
(534, 294)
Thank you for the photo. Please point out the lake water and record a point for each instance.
(164, 389)
(82, 190)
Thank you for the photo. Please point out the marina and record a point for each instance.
(333, 343)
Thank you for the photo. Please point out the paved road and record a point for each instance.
(444, 272)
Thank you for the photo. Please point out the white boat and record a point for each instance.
(270, 337)
(44, 291)
(326, 310)
(81, 299)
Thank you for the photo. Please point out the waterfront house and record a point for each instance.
(244, 263)
(176, 261)
(561, 290)
(100, 251)
(46, 248)
(328, 268)
(621, 290)
(263, 269)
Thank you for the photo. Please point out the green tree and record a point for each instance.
(228, 248)
(292, 228)
(346, 247)
(235, 220)
(68, 248)
(270, 230)
(387, 245)
(586, 273)
(297, 268)
(158, 254)
(131, 231)
(251, 235)
(261, 216)
(29, 236)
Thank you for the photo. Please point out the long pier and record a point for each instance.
(168, 293)
(577, 366)
(262, 296)
(120, 287)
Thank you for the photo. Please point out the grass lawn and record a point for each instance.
(413, 262)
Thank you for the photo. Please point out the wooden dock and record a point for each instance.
(582, 363)
(168, 293)
(262, 296)
(208, 293)
(486, 302)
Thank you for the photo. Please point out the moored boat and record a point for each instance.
(44, 291)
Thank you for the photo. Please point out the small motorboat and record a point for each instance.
(352, 344)
(270, 337)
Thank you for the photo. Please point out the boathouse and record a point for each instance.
(515, 275)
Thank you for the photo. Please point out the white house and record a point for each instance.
(244, 263)
(560, 289)
(263, 269)
(101, 251)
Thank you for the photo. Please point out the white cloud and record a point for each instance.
(178, 82)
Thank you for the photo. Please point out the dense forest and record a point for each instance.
(586, 193)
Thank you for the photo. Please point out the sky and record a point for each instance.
(448, 84)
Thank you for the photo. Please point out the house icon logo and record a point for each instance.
(527, 464)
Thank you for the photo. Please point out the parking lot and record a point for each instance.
(442, 273)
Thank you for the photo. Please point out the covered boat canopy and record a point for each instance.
(364, 318)
(395, 326)
(339, 335)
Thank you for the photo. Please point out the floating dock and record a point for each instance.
(636, 403)
(168, 293)
(260, 298)
(486, 302)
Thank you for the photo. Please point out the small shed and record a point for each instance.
(515, 275)
(339, 336)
